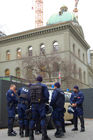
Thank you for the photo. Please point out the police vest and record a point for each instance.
(36, 93)
(60, 101)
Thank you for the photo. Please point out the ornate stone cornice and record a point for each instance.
(45, 30)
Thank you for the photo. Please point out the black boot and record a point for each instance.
(82, 130)
(31, 135)
(75, 129)
(10, 132)
(56, 132)
(14, 132)
(37, 132)
(44, 135)
(10, 127)
(21, 132)
(59, 133)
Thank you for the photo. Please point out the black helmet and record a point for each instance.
(70, 109)
(49, 109)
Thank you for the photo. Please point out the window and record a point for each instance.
(7, 72)
(56, 69)
(19, 53)
(84, 76)
(30, 51)
(18, 74)
(74, 48)
(83, 57)
(42, 49)
(8, 55)
(74, 70)
(55, 46)
(80, 74)
(79, 53)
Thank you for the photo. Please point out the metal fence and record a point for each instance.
(4, 86)
(88, 102)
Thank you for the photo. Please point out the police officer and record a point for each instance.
(11, 106)
(76, 101)
(57, 102)
(39, 97)
(23, 104)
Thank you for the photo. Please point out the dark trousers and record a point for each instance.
(58, 118)
(76, 121)
(10, 124)
(38, 113)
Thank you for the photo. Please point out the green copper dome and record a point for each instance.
(63, 16)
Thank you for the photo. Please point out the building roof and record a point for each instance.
(63, 16)
(66, 16)
(45, 30)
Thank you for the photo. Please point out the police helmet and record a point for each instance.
(70, 109)
(49, 110)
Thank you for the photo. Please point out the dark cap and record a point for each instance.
(76, 87)
(39, 78)
(57, 84)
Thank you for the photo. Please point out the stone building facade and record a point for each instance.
(67, 36)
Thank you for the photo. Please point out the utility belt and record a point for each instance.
(43, 101)
(23, 102)
(79, 106)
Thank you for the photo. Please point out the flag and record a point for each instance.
(32, 8)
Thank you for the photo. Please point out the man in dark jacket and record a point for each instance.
(39, 97)
(23, 94)
(76, 100)
(57, 102)
(11, 107)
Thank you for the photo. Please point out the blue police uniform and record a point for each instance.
(11, 106)
(78, 98)
(57, 102)
(38, 108)
(23, 103)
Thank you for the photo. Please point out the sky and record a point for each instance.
(17, 15)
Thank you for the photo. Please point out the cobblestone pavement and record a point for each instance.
(88, 135)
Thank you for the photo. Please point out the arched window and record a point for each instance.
(79, 53)
(55, 46)
(7, 72)
(8, 55)
(56, 69)
(19, 53)
(84, 74)
(74, 70)
(30, 51)
(18, 73)
(83, 57)
(42, 49)
(74, 48)
(80, 74)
